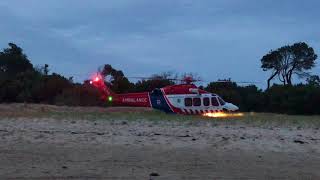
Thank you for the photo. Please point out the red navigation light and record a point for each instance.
(96, 79)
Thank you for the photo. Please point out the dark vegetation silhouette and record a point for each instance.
(289, 60)
(21, 81)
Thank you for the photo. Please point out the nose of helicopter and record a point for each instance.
(231, 107)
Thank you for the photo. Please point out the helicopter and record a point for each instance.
(185, 98)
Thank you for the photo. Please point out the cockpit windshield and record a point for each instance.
(221, 101)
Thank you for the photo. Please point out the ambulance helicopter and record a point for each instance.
(185, 98)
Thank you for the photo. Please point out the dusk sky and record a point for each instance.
(213, 38)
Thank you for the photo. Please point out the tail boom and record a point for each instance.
(130, 99)
(133, 99)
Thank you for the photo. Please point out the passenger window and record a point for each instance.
(188, 102)
(206, 101)
(196, 102)
(214, 101)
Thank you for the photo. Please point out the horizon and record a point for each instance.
(142, 38)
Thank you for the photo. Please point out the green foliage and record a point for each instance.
(50, 86)
(13, 61)
(16, 75)
(156, 81)
(117, 81)
(248, 98)
(298, 99)
(151, 84)
(294, 99)
(313, 80)
(79, 95)
(21, 82)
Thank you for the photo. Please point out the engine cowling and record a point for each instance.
(194, 90)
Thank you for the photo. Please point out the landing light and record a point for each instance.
(223, 115)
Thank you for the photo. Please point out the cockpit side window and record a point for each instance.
(214, 101)
(206, 101)
(222, 102)
(188, 102)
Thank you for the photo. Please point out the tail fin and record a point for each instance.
(99, 83)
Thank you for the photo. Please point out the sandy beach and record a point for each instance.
(53, 148)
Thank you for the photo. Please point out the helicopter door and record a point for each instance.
(158, 101)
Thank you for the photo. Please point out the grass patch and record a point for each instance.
(253, 119)
(97, 113)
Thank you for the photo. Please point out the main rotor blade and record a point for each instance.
(239, 82)
(160, 78)
(193, 80)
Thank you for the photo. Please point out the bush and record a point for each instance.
(298, 99)
(79, 95)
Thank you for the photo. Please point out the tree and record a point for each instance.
(49, 87)
(289, 60)
(313, 80)
(156, 81)
(151, 84)
(227, 90)
(271, 61)
(79, 94)
(13, 61)
(118, 82)
(44, 70)
(303, 59)
(16, 75)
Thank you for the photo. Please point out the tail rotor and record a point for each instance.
(98, 81)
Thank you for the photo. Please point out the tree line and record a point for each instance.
(21, 81)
